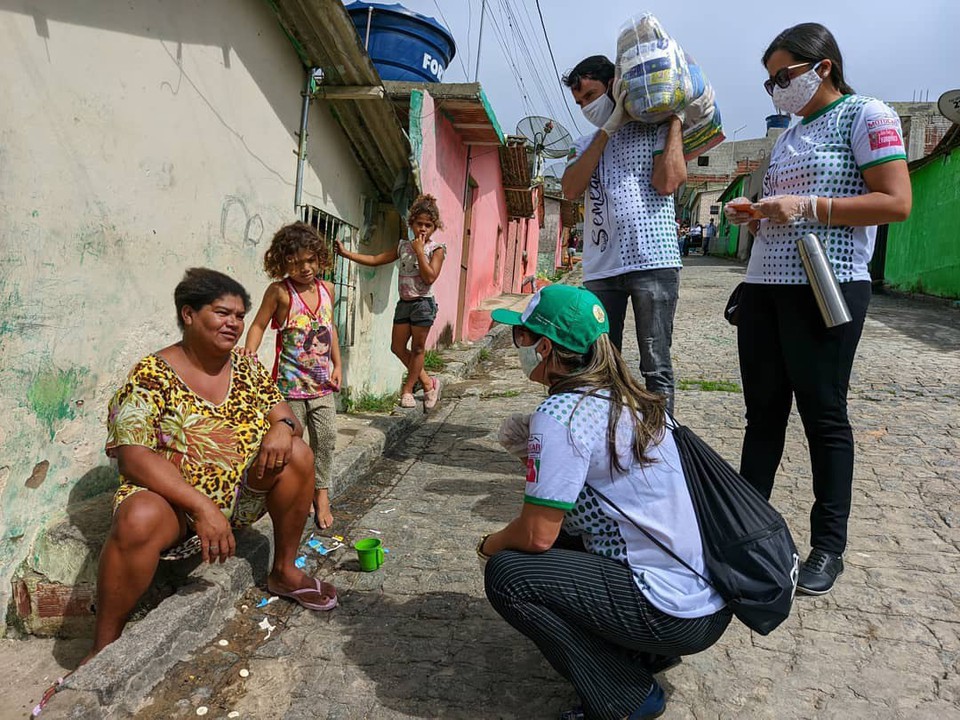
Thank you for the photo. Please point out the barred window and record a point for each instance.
(343, 273)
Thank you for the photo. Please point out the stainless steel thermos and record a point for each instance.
(824, 283)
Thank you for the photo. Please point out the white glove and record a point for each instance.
(514, 433)
(619, 115)
(736, 212)
(783, 209)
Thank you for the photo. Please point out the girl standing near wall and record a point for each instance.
(421, 260)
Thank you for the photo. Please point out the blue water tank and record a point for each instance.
(403, 45)
(780, 122)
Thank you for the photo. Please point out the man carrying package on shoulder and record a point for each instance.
(628, 172)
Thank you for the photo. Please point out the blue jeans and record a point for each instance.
(654, 297)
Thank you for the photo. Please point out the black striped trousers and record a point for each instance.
(593, 624)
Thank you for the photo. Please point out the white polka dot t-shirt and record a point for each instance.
(567, 456)
(627, 225)
(825, 155)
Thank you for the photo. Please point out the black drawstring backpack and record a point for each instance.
(749, 554)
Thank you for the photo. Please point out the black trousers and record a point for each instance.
(592, 623)
(786, 351)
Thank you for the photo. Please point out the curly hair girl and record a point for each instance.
(425, 204)
(290, 240)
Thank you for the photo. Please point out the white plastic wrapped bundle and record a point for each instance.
(654, 69)
(662, 80)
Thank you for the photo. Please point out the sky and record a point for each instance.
(896, 51)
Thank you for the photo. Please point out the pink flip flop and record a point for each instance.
(294, 595)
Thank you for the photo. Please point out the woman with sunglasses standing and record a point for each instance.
(838, 173)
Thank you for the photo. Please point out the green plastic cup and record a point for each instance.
(370, 553)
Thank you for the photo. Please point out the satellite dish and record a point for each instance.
(949, 105)
(554, 171)
(547, 137)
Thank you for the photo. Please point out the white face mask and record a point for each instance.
(598, 111)
(530, 359)
(793, 98)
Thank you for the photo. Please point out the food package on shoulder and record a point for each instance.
(653, 68)
(663, 80)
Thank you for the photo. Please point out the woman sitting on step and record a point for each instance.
(205, 444)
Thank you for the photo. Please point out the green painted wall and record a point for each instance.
(923, 253)
(726, 231)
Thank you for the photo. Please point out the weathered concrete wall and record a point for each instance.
(136, 140)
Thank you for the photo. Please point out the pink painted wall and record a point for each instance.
(488, 227)
(444, 164)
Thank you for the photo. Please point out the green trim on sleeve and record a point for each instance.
(548, 503)
(657, 152)
(881, 161)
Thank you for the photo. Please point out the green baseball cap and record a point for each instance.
(572, 317)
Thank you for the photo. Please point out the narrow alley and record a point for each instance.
(417, 639)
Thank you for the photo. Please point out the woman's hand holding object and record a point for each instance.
(739, 211)
(783, 209)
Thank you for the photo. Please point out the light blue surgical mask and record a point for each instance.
(530, 359)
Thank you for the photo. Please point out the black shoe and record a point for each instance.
(819, 572)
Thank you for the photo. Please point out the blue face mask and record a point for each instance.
(530, 359)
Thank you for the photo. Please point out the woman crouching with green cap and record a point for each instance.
(606, 606)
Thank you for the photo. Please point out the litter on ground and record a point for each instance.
(265, 625)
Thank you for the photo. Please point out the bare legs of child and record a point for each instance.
(322, 514)
(411, 357)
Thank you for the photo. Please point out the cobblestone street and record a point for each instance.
(417, 639)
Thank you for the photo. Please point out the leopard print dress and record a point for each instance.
(211, 445)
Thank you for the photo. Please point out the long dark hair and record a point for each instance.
(601, 372)
(812, 42)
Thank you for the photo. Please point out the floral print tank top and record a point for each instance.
(303, 366)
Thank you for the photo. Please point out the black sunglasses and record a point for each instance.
(521, 330)
(781, 78)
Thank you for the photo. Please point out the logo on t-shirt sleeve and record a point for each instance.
(534, 447)
(885, 138)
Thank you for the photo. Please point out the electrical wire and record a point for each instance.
(511, 62)
(554, 60)
(466, 75)
(521, 45)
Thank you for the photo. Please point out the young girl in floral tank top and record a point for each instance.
(421, 260)
(299, 306)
